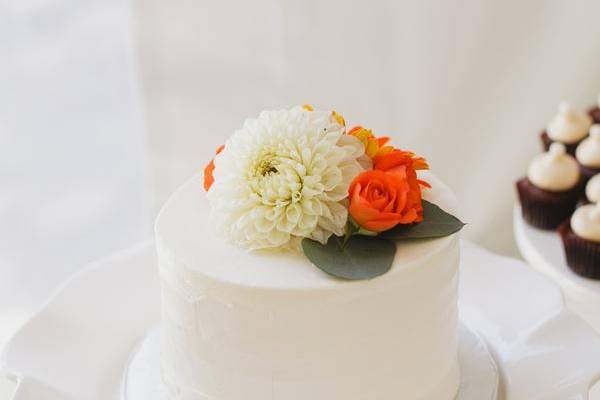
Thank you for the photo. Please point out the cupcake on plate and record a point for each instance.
(581, 239)
(551, 189)
(595, 112)
(568, 127)
(592, 190)
(588, 154)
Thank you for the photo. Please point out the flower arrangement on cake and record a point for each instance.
(298, 180)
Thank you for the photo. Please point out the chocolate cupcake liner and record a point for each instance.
(595, 114)
(588, 173)
(583, 256)
(546, 142)
(543, 209)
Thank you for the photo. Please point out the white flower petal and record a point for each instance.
(284, 176)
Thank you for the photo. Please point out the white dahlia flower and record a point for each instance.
(284, 176)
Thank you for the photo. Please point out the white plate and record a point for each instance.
(544, 251)
(79, 343)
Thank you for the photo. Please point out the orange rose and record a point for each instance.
(209, 169)
(373, 145)
(381, 200)
(390, 194)
(403, 162)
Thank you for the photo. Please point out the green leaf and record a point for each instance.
(361, 257)
(436, 223)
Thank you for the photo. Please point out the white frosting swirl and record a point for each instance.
(569, 125)
(555, 170)
(585, 222)
(588, 151)
(592, 190)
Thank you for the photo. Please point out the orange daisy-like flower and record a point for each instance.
(373, 145)
(209, 169)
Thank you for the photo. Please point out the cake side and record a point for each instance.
(270, 326)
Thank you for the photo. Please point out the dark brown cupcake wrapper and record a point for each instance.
(543, 209)
(583, 256)
(546, 142)
(588, 173)
(595, 114)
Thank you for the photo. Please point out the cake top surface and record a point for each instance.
(294, 181)
(183, 229)
(555, 170)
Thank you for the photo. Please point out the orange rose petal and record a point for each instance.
(381, 225)
(380, 200)
(423, 183)
(409, 217)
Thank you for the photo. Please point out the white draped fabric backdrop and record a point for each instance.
(106, 106)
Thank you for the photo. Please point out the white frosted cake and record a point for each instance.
(267, 324)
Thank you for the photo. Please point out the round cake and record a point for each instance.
(268, 325)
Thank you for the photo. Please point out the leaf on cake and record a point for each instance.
(358, 257)
(436, 223)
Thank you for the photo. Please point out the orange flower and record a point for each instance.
(209, 169)
(381, 200)
(373, 146)
(403, 162)
(390, 194)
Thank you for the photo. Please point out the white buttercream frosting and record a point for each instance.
(555, 170)
(568, 125)
(592, 190)
(585, 222)
(588, 151)
(271, 326)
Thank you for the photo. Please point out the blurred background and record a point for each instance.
(106, 106)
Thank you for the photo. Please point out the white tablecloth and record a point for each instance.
(73, 180)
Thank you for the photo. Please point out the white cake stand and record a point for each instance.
(544, 251)
(479, 373)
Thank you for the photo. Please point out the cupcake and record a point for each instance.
(592, 190)
(551, 189)
(568, 127)
(595, 112)
(581, 239)
(588, 154)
